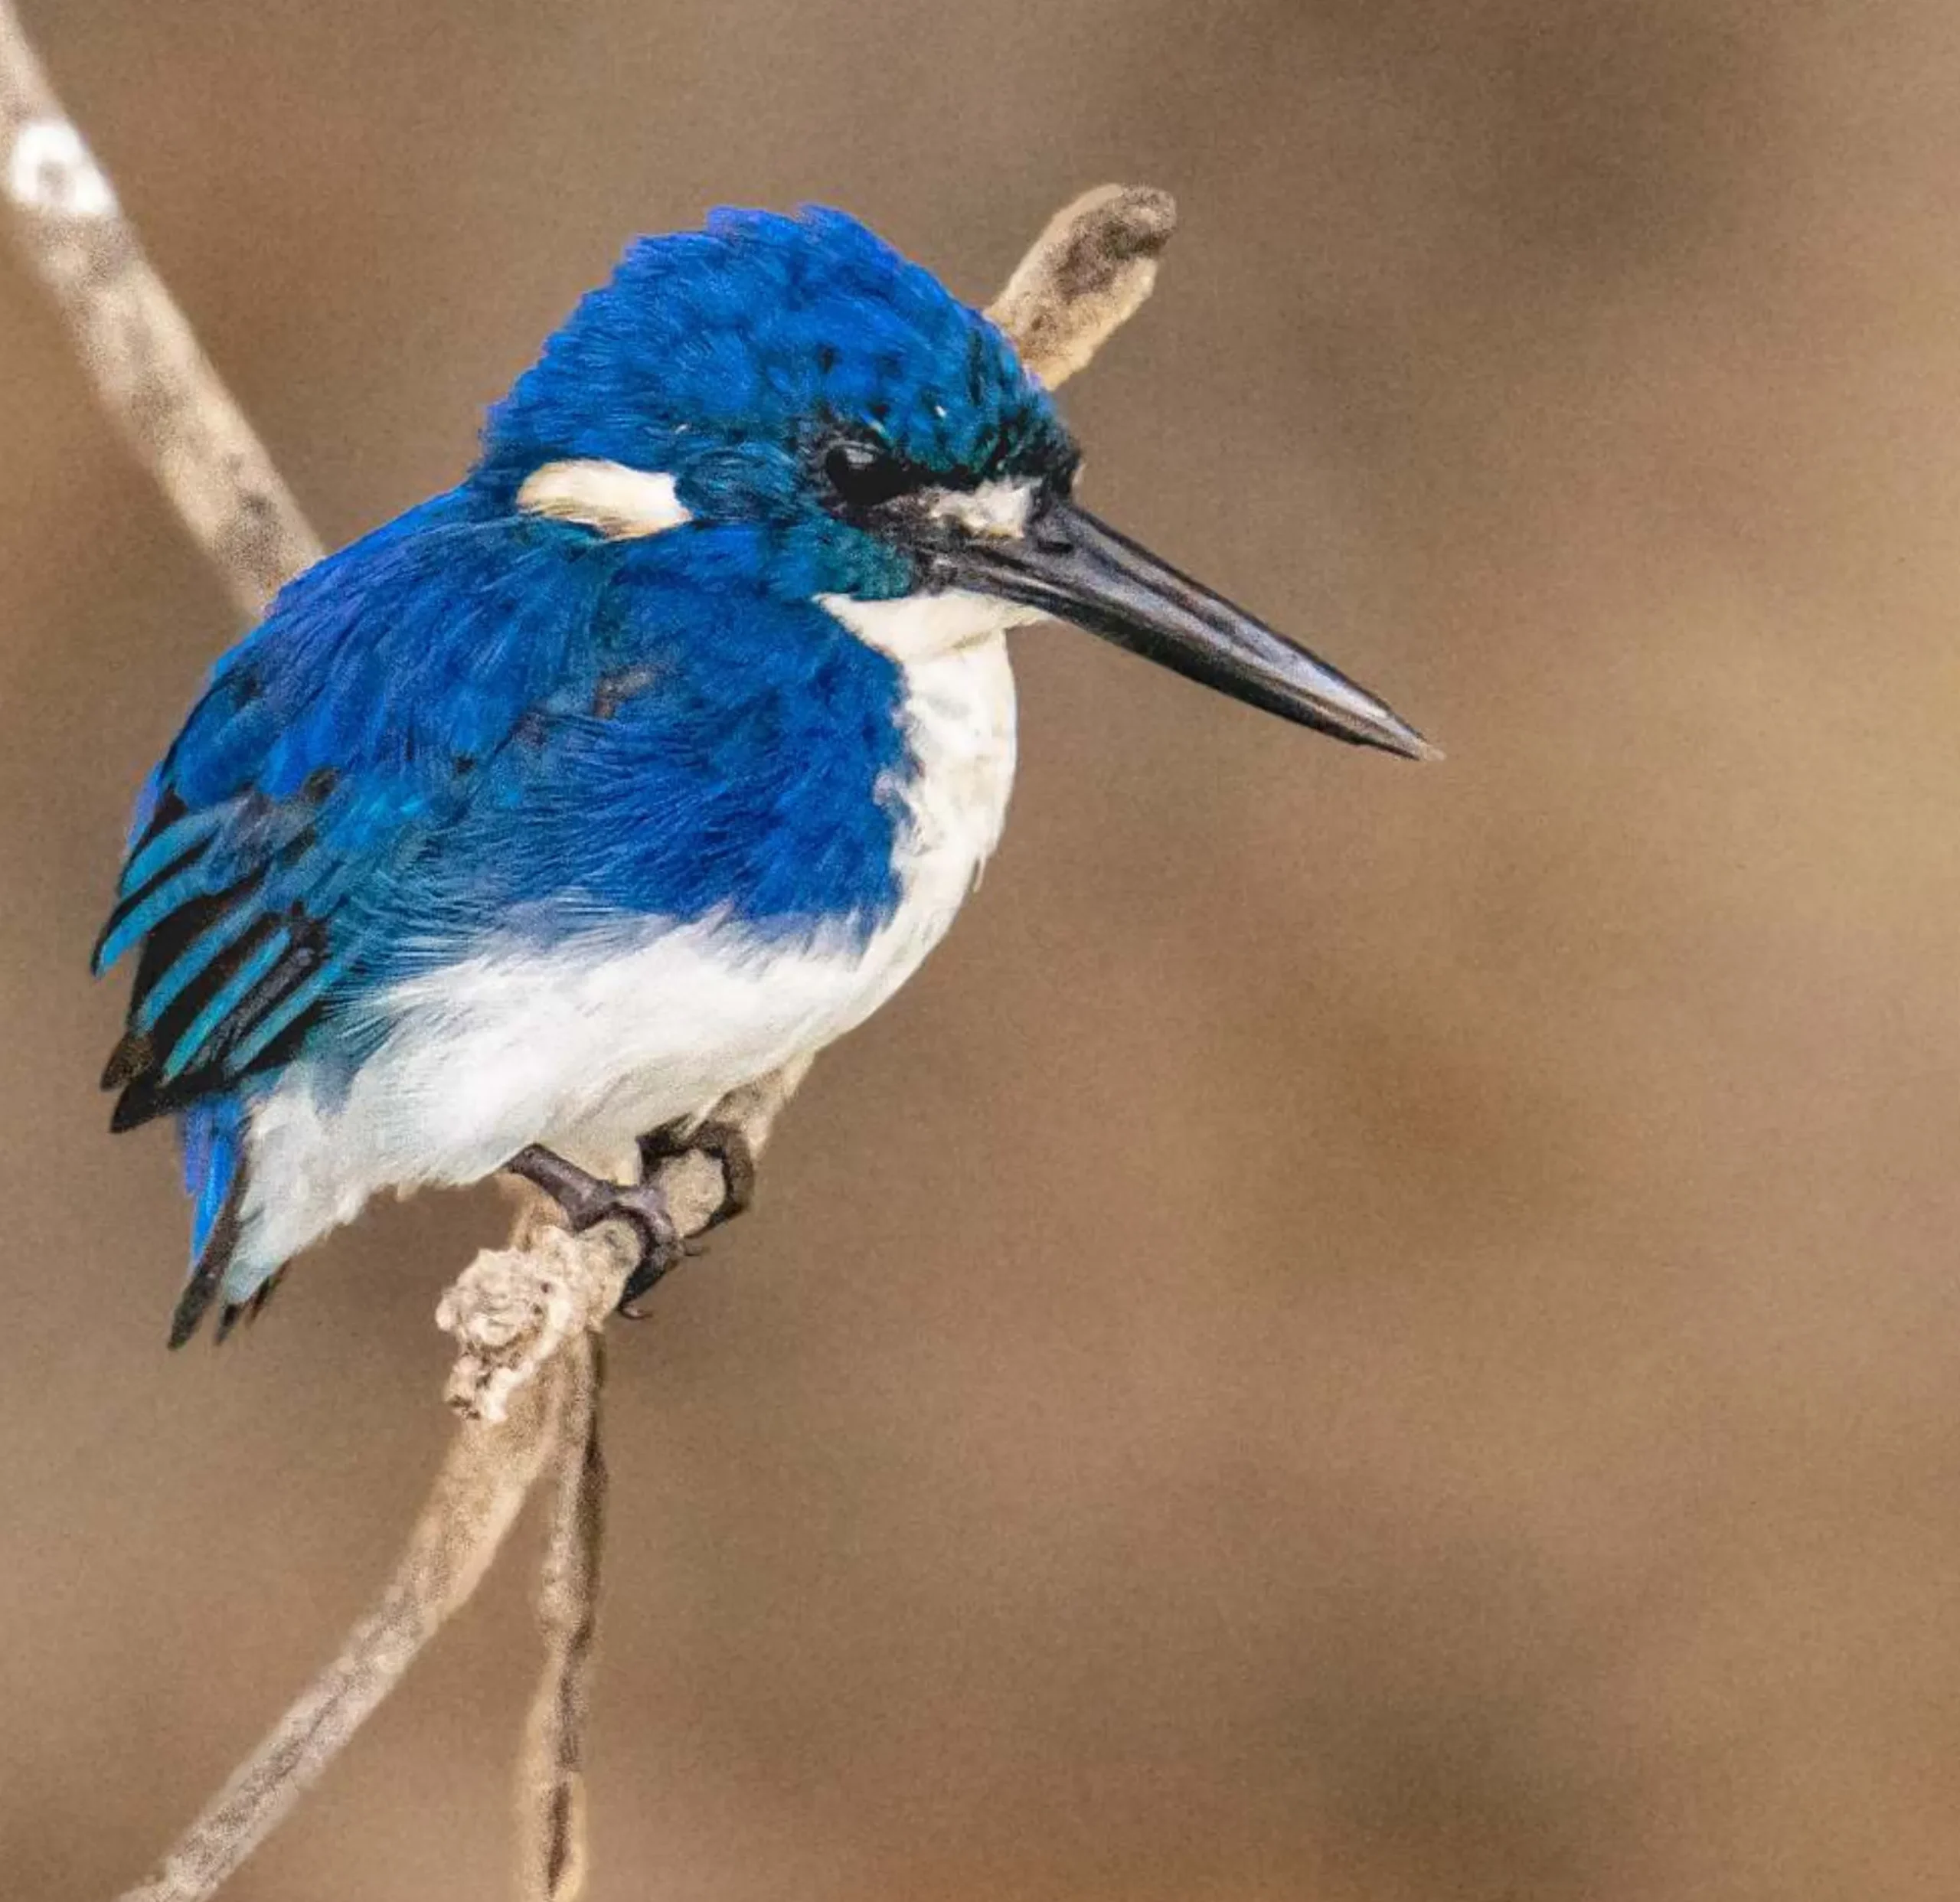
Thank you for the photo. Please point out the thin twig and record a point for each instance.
(1085, 275)
(152, 377)
(551, 1799)
(525, 1318)
(479, 1492)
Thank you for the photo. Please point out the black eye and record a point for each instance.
(862, 477)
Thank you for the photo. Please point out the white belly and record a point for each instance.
(587, 1045)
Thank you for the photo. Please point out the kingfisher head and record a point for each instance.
(823, 420)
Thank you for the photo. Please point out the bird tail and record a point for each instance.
(216, 1168)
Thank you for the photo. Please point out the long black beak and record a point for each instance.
(1078, 569)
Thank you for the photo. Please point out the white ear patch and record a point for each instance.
(622, 504)
(994, 511)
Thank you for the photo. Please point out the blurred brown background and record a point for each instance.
(1363, 1333)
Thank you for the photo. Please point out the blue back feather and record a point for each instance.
(498, 723)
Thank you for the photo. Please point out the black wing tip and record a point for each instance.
(207, 1280)
(143, 1100)
(149, 1094)
(133, 1057)
(198, 1294)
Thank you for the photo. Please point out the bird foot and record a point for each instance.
(588, 1200)
(725, 1143)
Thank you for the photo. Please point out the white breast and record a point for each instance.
(959, 723)
(586, 1046)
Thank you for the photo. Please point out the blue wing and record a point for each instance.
(277, 844)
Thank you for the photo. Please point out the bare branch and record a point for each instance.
(525, 1318)
(150, 373)
(1087, 275)
(551, 1801)
(484, 1478)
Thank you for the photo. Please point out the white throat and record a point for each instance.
(923, 627)
(959, 716)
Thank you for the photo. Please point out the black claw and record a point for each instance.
(726, 1144)
(642, 1281)
(587, 1200)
